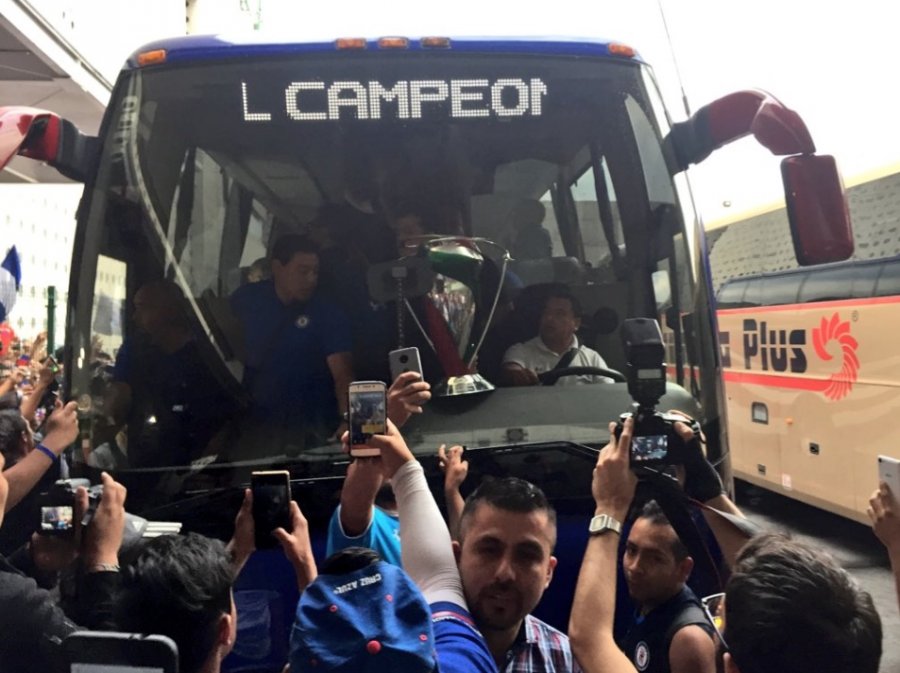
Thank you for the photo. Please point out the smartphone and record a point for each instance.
(405, 360)
(889, 473)
(48, 401)
(368, 416)
(271, 505)
(111, 652)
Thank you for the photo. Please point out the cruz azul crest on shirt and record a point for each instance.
(641, 656)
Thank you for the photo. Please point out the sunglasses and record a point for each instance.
(714, 607)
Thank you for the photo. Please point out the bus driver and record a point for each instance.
(555, 346)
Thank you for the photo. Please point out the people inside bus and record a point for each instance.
(349, 242)
(555, 346)
(670, 633)
(163, 391)
(786, 606)
(258, 271)
(299, 346)
(531, 240)
(884, 511)
(412, 222)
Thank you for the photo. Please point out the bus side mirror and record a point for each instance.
(817, 209)
(813, 191)
(44, 136)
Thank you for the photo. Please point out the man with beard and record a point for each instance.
(505, 556)
(671, 633)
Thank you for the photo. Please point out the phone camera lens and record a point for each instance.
(404, 359)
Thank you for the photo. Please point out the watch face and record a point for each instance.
(599, 523)
(604, 522)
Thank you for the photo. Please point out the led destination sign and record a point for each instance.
(455, 98)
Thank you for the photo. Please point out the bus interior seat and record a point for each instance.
(501, 217)
(604, 306)
(560, 270)
(529, 238)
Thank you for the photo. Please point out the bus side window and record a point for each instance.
(889, 279)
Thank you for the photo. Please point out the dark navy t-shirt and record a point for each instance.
(287, 347)
(180, 392)
(648, 640)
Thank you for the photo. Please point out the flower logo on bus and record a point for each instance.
(841, 383)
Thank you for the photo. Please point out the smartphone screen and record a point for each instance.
(368, 411)
(57, 519)
(271, 505)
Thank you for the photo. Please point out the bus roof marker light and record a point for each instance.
(617, 49)
(393, 43)
(154, 57)
(435, 42)
(347, 43)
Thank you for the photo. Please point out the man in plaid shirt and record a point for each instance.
(504, 549)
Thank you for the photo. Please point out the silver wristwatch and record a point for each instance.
(602, 523)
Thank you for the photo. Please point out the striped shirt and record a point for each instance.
(539, 648)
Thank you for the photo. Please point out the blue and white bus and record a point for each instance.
(559, 151)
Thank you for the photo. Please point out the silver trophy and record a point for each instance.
(449, 289)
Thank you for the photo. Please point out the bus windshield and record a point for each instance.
(180, 351)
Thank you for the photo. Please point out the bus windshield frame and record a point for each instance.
(189, 143)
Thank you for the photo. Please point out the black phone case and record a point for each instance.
(265, 520)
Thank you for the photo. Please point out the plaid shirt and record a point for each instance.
(539, 648)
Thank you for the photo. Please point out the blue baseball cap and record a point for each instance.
(373, 620)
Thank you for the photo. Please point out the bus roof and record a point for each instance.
(196, 48)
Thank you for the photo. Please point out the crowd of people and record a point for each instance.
(404, 589)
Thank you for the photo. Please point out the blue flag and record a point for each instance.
(10, 281)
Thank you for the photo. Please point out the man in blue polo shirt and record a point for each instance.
(298, 343)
